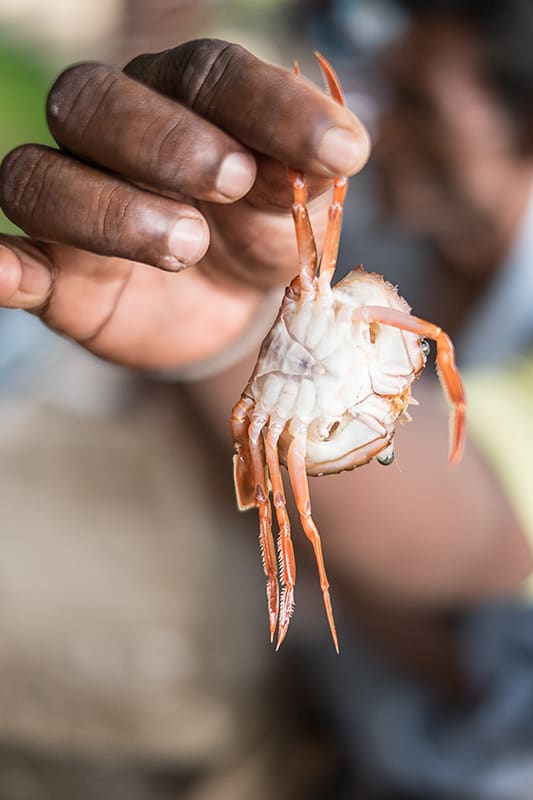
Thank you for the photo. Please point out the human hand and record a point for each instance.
(176, 162)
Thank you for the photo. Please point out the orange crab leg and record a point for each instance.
(300, 488)
(305, 240)
(242, 464)
(446, 368)
(340, 185)
(266, 541)
(334, 84)
(287, 562)
(328, 261)
(307, 255)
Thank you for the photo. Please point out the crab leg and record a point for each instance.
(305, 240)
(333, 233)
(300, 488)
(242, 466)
(340, 185)
(307, 256)
(266, 540)
(446, 368)
(334, 85)
(286, 550)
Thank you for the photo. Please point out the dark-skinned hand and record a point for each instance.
(178, 161)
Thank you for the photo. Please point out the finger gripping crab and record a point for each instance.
(332, 379)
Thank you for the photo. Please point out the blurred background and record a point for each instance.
(133, 659)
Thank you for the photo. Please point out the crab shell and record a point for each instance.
(347, 381)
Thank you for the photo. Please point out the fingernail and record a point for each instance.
(188, 240)
(236, 175)
(341, 151)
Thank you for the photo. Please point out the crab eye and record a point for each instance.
(386, 458)
(424, 346)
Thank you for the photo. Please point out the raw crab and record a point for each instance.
(333, 378)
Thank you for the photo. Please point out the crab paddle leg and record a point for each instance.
(286, 551)
(446, 368)
(262, 501)
(300, 488)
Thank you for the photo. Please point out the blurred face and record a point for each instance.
(449, 166)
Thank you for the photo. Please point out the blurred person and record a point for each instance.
(91, 273)
(454, 160)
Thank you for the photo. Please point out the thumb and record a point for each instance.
(26, 274)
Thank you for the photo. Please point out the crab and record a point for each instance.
(332, 380)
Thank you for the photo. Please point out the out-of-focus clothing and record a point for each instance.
(397, 735)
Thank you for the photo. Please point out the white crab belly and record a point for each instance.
(345, 384)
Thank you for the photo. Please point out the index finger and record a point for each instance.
(265, 107)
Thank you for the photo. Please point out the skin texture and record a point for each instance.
(104, 265)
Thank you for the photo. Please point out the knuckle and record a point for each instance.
(21, 180)
(146, 68)
(12, 169)
(76, 95)
(200, 67)
(162, 145)
(187, 155)
(113, 207)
